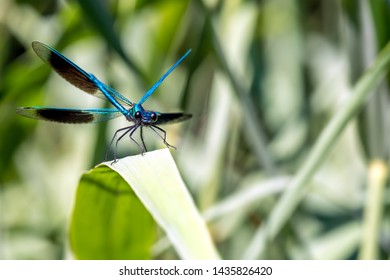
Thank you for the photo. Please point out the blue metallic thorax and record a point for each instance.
(135, 108)
(144, 116)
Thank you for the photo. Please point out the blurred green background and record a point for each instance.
(263, 79)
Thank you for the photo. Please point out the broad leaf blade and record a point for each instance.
(109, 221)
(156, 181)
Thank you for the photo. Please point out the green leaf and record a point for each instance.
(108, 221)
(156, 181)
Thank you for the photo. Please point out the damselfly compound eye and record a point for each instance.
(153, 117)
(137, 115)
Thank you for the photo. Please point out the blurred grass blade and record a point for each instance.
(253, 128)
(377, 178)
(97, 13)
(296, 189)
(246, 197)
(381, 17)
(109, 221)
(156, 181)
(337, 243)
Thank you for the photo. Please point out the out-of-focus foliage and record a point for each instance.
(263, 79)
